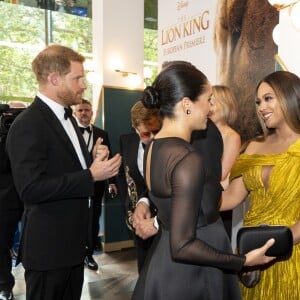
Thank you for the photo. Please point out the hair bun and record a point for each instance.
(150, 97)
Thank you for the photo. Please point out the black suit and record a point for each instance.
(134, 181)
(54, 187)
(209, 143)
(11, 209)
(100, 187)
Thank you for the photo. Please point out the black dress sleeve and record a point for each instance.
(182, 178)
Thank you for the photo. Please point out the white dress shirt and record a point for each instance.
(59, 111)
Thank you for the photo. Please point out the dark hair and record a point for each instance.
(84, 101)
(286, 86)
(178, 80)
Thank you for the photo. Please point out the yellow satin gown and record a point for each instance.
(279, 204)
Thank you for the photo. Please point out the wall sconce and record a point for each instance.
(125, 73)
(133, 79)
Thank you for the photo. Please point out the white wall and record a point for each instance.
(289, 42)
(118, 33)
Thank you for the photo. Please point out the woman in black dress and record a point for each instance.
(191, 256)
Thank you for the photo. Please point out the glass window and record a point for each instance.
(150, 41)
(26, 29)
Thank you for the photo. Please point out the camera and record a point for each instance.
(7, 116)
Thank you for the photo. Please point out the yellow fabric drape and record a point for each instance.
(279, 204)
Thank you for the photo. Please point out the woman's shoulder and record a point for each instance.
(173, 143)
(231, 136)
(173, 147)
(270, 144)
(254, 145)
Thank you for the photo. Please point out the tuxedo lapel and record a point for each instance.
(134, 145)
(56, 125)
(96, 134)
(82, 143)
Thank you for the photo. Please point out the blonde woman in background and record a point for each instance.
(223, 114)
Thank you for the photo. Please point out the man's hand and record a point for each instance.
(145, 228)
(100, 151)
(107, 168)
(141, 212)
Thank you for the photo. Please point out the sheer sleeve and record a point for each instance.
(187, 184)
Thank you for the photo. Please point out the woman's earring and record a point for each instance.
(188, 112)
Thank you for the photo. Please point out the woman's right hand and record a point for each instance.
(258, 257)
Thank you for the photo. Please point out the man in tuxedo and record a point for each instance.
(146, 123)
(54, 177)
(11, 207)
(91, 133)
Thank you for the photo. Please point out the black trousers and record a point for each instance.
(96, 213)
(9, 220)
(61, 284)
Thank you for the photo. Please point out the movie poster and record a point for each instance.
(229, 40)
(185, 32)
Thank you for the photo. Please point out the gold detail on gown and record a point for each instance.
(279, 204)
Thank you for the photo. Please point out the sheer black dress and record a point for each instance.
(191, 256)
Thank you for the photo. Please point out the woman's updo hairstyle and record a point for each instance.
(150, 97)
(178, 79)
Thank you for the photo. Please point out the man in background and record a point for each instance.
(146, 123)
(91, 133)
(11, 207)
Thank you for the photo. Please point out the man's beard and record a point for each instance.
(69, 98)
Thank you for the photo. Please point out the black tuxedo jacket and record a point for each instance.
(209, 143)
(129, 145)
(9, 199)
(54, 188)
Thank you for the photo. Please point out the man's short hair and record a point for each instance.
(140, 114)
(54, 58)
(84, 101)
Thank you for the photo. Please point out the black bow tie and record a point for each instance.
(82, 129)
(68, 113)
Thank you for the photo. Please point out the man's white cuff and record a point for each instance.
(155, 223)
(145, 200)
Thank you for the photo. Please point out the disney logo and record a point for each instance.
(182, 4)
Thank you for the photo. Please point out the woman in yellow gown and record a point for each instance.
(269, 173)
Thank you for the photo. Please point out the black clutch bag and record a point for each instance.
(249, 238)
